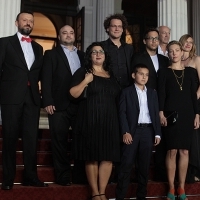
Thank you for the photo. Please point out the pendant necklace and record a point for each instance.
(181, 76)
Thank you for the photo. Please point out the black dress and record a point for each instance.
(172, 98)
(96, 133)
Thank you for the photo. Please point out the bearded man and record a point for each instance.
(20, 66)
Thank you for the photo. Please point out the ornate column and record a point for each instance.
(173, 13)
(194, 26)
(95, 13)
(104, 9)
(9, 11)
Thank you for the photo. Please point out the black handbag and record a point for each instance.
(171, 116)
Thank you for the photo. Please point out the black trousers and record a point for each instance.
(140, 148)
(59, 124)
(22, 118)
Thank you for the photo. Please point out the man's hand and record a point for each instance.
(50, 109)
(157, 141)
(127, 138)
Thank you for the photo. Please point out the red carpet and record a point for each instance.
(156, 190)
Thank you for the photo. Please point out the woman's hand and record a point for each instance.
(163, 120)
(127, 138)
(88, 77)
(198, 93)
(196, 121)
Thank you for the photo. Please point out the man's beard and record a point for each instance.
(25, 31)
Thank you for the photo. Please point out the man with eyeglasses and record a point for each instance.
(59, 65)
(150, 57)
(164, 36)
(120, 52)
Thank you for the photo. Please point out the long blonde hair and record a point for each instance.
(183, 39)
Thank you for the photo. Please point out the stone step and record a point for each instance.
(156, 191)
(45, 173)
(43, 145)
(43, 158)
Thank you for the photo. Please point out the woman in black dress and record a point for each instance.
(177, 92)
(96, 134)
(190, 59)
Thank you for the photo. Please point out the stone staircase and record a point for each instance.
(156, 190)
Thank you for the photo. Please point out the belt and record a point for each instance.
(144, 125)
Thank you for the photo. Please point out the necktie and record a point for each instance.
(27, 39)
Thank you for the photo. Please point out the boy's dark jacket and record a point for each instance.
(129, 110)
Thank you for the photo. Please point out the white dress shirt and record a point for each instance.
(72, 57)
(27, 50)
(144, 116)
(155, 62)
(160, 51)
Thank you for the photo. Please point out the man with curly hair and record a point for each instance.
(120, 52)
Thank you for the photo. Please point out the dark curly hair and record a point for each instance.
(115, 16)
(88, 60)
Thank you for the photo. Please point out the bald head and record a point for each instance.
(164, 34)
(66, 35)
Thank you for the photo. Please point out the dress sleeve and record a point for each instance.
(161, 88)
(77, 77)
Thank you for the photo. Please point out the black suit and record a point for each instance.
(163, 62)
(20, 105)
(143, 139)
(145, 58)
(56, 79)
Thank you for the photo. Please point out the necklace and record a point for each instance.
(181, 76)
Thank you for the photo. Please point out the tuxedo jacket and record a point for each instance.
(14, 72)
(56, 78)
(129, 110)
(145, 59)
(128, 49)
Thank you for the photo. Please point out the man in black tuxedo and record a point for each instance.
(154, 62)
(120, 52)
(20, 66)
(59, 65)
(140, 129)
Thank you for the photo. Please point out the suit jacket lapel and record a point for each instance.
(135, 97)
(149, 101)
(36, 53)
(16, 44)
(150, 66)
(63, 56)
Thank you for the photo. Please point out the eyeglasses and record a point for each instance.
(152, 39)
(115, 26)
(95, 52)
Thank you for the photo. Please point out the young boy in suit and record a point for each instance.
(140, 128)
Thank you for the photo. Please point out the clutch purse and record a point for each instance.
(171, 116)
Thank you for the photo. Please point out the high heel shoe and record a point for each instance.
(97, 195)
(181, 194)
(103, 195)
(170, 195)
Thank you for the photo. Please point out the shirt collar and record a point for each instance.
(160, 51)
(64, 47)
(20, 36)
(138, 89)
(111, 42)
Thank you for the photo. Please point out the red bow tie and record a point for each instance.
(27, 39)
